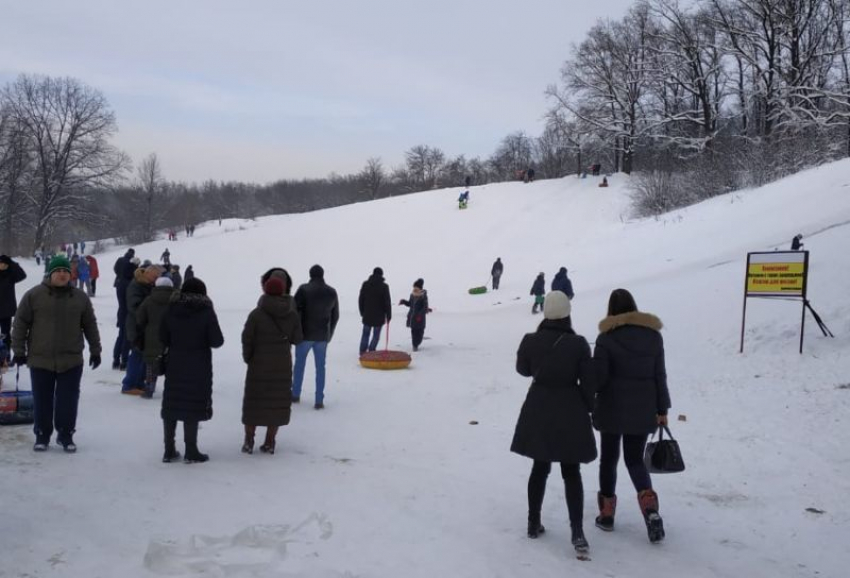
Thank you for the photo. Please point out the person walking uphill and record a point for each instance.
(632, 400)
(10, 275)
(189, 331)
(148, 319)
(538, 290)
(418, 304)
(267, 338)
(496, 272)
(554, 423)
(318, 306)
(562, 283)
(375, 309)
(50, 324)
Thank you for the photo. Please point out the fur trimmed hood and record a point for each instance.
(638, 318)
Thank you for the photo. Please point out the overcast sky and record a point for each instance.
(258, 90)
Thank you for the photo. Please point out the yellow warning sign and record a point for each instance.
(776, 274)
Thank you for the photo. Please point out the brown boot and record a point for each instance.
(268, 445)
(607, 509)
(248, 444)
(648, 501)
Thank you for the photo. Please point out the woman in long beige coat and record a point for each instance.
(269, 334)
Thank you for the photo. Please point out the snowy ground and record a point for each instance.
(393, 480)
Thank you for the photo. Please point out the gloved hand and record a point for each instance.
(19, 360)
(94, 361)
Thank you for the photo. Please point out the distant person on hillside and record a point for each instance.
(166, 257)
(538, 290)
(190, 274)
(529, 175)
(318, 306)
(632, 401)
(554, 423)
(375, 309)
(176, 278)
(467, 181)
(562, 283)
(94, 273)
(84, 275)
(604, 182)
(418, 304)
(463, 200)
(796, 242)
(595, 169)
(496, 272)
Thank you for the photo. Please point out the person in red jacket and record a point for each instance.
(94, 273)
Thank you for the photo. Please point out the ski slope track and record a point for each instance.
(393, 480)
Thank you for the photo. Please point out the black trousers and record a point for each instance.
(6, 331)
(55, 400)
(190, 434)
(417, 334)
(633, 447)
(572, 485)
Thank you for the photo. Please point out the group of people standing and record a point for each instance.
(376, 310)
(621, 390)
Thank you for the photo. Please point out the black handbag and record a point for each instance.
(663, 456)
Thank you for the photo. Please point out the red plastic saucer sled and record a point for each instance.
(385, 359)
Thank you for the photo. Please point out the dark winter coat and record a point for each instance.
(8, 299)
(554, 423)
(93, 267)
(497, 269)
(375, 304)
(318, 306)
(137, 292)
(189, 331)
(176, 279)
(50, 325)
(149, 318)
(190, 274)
(632, 379)
(418, 309)
(538, 289)
(267, 339)
(562, 283)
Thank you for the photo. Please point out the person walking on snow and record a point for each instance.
(632, 400)
(418, 304)
(189, 331)
(496, 272)
(375, 306)
(11, 274)
(562, 283)
(166, 257)
(51, 322)
(190, 274)
(318, 306)
(538, 289)
(796, 243)
(554, 423)
(138, 290)
(149, 318)
(267, 339)
(84, 275)
(94, 273)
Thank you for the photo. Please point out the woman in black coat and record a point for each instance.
(189, 332)
(418, 304)
(554, 423)
(10, 274)
(631, 402)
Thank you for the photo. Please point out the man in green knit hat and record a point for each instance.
(52, 320)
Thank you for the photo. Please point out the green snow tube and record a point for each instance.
(478, 290)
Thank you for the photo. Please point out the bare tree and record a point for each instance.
(152, 191)
(424, 164)
(67, 126)
(373, 177)
(16, 176)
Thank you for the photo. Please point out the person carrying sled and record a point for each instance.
(418, 304)
(496, 272)
(554, 422)
(538, 290)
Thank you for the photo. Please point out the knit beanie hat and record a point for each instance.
(378, 272)
(274, 286)
(316, 272)
(164, 282)
(194, 285)
(59, 263)
(556, 305)
(420, 283)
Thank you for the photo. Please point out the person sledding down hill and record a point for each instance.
(463, 200)
(418, 304)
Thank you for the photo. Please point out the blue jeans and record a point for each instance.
(320, 349)
(364, 339)
(55, 400)
(135, 377)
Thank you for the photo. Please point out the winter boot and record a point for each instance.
(169, 429)
(67, 443)
(41, 443)
(268, 445)
(578, 540)
(190, 436)
(535, 528)
(248, 444)
(607, 508)
(648, 501)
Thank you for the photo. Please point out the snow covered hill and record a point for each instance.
(393, 479)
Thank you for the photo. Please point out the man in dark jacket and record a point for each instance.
(496, 272)
(318, 305)
(538, 290)
(562, 283)
(124, 268)
(375, 309)
(10, 274)
(138, 290)
(48, 337)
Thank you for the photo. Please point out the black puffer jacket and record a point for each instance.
(375, 304)
(632, 378)
(190, 331)
(554, 423)
(8, 278)
(318, 306)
